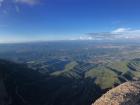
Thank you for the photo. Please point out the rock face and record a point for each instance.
(125, 94)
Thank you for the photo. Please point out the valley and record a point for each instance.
(66, 73)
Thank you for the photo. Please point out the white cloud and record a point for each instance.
(28, 2)
(119, 33)
(16, 5)
(127, 33)
(119, 30)
(85, 38)
(1, 1)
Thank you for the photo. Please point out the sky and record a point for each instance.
(41, 20)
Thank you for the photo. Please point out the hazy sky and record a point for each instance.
(25, 20)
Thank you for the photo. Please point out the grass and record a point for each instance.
(67, 69)
(120, 66)
(136, 74)
(104, 77)
(70, 66)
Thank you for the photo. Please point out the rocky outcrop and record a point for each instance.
(125, 94)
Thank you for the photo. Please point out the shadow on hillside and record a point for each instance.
(28, 87)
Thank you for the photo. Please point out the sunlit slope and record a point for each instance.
(104, 75)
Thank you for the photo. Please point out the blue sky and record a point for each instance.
(30, 20)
